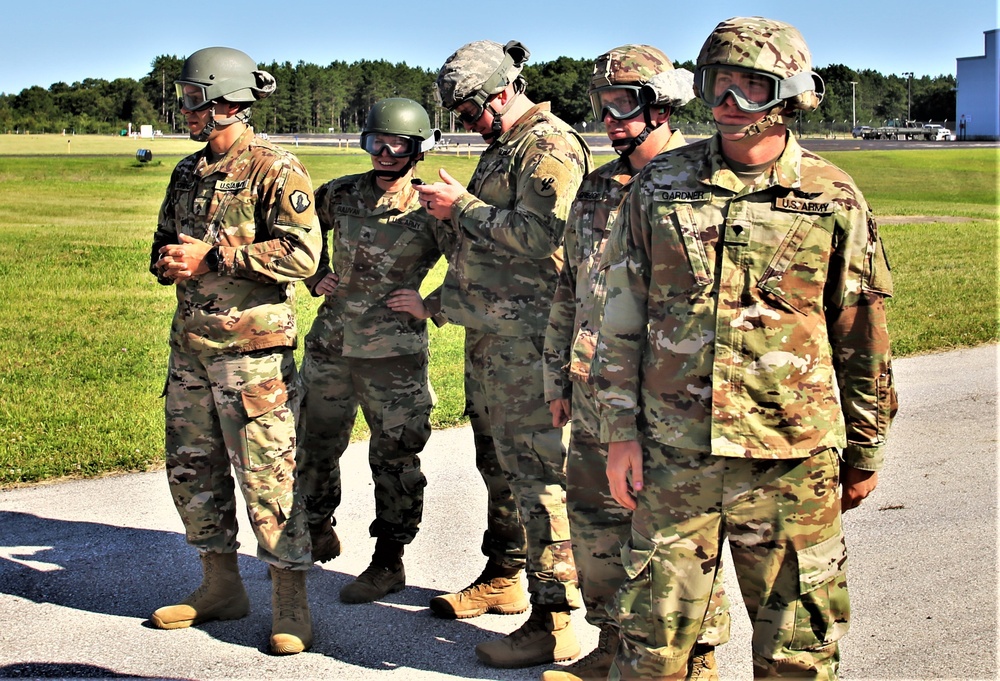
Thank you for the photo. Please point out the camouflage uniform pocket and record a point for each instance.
(635, 602)
(823, 610)
(260, 398)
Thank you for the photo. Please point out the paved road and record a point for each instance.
(82, 564)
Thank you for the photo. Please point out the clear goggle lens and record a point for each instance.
(621, 102)
(192, 97)
(398, 147)
(753, 91)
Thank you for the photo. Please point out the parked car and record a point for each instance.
(860, 130)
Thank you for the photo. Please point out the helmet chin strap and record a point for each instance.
(497, 127)
(625, 147)
(396, 174)
(773, 117)
(210, 127)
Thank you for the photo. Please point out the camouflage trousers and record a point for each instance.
(782, 519)
(396, 400)
(236, 411)
(522, 460)
(600, 527)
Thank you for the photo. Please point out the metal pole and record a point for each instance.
(909, 83)
(854, 113)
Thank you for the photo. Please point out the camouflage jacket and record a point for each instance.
(256, 203)
(510, 227)
(381, 242)
(746, 321)
(575, 317)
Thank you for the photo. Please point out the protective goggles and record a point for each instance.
(192, 96)
(621, 102)
(398, 147)
(753, 91)
(467, 117)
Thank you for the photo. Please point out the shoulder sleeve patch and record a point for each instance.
(299, 201)
(545, 186)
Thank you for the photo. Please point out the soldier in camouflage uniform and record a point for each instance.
(509, 225)
(368, 344)
(633, 91)
(743, 369)
(236, 230)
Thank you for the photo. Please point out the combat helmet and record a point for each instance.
(409, 125)
(221, 74)
(620, 87)
(775, 53)
(476, 72)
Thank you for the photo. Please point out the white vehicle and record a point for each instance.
(938, 132)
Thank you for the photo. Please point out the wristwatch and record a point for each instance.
(213, 259)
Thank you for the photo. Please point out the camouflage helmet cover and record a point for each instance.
(479, 70)
(226, 74)
(767, 46)
(629, 65)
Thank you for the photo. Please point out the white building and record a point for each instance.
(977, 98)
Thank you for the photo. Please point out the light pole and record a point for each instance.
(854, 112)
(909, 83)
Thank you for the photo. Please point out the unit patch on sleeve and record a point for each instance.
(299, 200)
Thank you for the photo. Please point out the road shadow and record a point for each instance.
(129, 572)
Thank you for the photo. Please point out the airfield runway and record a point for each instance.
(83, 564)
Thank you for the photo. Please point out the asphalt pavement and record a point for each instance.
(84, 563)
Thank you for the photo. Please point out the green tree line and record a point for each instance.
(318, 99)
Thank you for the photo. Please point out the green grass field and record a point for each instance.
(83, 344)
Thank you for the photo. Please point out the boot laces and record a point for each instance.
(286, 592)
(598, 656)
(536, 623)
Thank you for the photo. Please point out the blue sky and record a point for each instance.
(48, 41)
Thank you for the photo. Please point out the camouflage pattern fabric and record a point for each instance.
(506, 377)
(467, 70)
(782, 519)
(738, 320)
(359, 352)
(629, 65)
(238, 410)
(232, 390)
(499, 284)
(514, 213)
(256, 203)
(768, 300)
(759, 44)
(395, 399)
(598, 525)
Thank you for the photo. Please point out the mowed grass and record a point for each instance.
(83, 346)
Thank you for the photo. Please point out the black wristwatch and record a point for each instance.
(213, 259)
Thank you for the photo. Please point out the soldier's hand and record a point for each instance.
(625, 461)
(328, 284)
(184, 260)
(857, 484)
(408, 301)
(438, 198)
(561, 412)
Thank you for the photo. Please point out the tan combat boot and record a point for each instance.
(497, 591)
(221, 596)
(291, 623)
(595, 666)
(325, 542)
(702, 665)
(545, 637)
(384, 576)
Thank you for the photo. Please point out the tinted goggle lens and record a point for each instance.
(752, 91)
(619, 102)
(470, 117)
(398, 147)
(191, 97)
